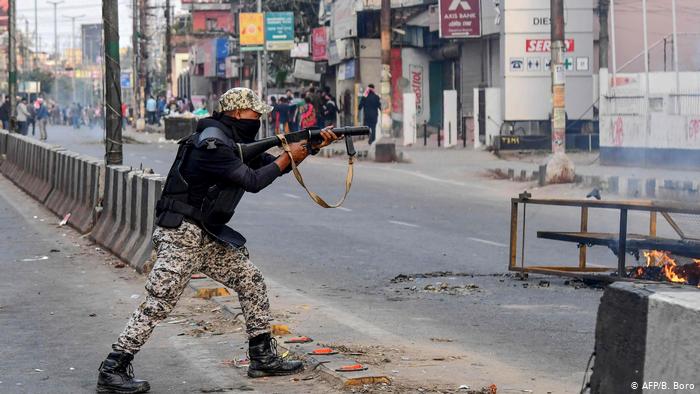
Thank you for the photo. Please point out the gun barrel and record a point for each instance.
(360, 130)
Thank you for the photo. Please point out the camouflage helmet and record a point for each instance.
(243, 98)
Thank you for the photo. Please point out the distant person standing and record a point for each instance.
(42, 117)
(151, 107)
(5, 113)
(371, 105)
(31, 120)
(160, 109)
(308, 114)
(22, 116)
(330, 111)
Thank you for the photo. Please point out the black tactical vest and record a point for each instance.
(219, 203)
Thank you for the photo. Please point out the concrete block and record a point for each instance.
(384, 152)
(646, 333)
(128, 213)
(104, 226)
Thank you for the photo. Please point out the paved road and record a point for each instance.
(62, 305)
(400, 219)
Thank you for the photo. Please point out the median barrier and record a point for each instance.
(3, 144)
(112, 199)
(86, 194)
(128, 213)
(138, 248)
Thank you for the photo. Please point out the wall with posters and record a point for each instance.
(525, 46)
(672, 138)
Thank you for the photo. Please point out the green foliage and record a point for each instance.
(45, 77)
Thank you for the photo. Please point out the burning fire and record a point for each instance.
(660, 265)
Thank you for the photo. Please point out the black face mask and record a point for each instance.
(244, 130)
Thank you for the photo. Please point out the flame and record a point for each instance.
(658, 258)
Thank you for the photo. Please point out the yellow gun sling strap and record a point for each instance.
(320, 201)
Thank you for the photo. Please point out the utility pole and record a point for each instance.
(113, 102)
(12, 60)
(143, 63)
(73, 57)
(385, 149)
(259, 58)
(55, 48)
(168, 54)
(558, 78)
(385, 89)
(604, 41)
(36, 35)
(135, 83)
(560, 169)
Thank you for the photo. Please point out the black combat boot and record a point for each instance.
(117, 375)
(264, 360)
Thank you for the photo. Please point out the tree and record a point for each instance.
(46, 78)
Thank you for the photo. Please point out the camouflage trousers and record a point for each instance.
(181, 252)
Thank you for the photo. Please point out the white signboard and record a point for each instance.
(409, 119)
(526, 47)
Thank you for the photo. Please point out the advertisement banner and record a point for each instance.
(279, 31)
(251, 27)
(300, 50)
(459, 18)
(221, 45)
(319, 44)
(125, 80)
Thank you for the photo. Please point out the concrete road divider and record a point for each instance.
(138, 248)
(112, 216)
(647, 339)
(127, 219)
(67, 182)
(3, 144)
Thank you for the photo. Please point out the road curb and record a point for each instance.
(325, 365)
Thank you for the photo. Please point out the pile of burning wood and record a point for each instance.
(662, 266)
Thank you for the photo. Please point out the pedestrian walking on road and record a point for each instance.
(22, 116)
(371, 105)
(203, 188)
(31, 120)
(151, 107)
(5, 113)
(42, 118)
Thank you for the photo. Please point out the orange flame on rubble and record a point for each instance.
(657, 258)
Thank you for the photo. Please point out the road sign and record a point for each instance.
(569, 63)
(279, 31)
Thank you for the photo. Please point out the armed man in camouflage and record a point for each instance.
(204, 185)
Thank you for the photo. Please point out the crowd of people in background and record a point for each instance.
(35, 114)
(317, 108)
(296, 111)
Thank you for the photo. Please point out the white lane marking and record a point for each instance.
(487, 242)
(291, 196)
(345, 209)
(403, 223)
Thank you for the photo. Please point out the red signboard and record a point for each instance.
(459, 18)
(544, 45)
(319, 44)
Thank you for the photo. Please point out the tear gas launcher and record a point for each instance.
(311, 136)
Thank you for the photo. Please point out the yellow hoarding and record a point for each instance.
(252, 28)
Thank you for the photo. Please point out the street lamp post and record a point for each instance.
(73, 18)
